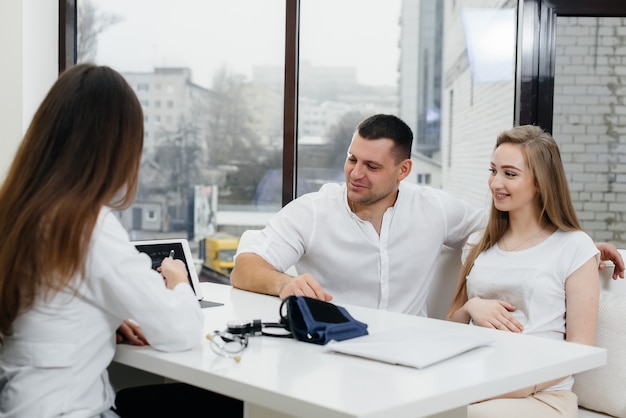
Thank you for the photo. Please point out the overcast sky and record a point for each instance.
(206, 34)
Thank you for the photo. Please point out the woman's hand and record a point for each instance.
(491, 313)
(129, 331)
(173, 272)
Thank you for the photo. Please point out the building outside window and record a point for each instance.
(219, 69)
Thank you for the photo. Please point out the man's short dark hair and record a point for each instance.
(391, 127)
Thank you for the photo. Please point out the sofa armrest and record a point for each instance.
(601, 390)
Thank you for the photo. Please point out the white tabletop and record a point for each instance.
(297, 378)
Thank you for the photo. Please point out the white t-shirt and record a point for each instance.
(321, 235)
(55, 362)
(533, 280)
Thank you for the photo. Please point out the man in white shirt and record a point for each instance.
(372, 241)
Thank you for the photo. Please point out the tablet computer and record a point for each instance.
(158, 249)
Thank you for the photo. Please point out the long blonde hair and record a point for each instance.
(553, 197)
(81, 152)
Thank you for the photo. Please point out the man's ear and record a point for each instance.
(405, 168)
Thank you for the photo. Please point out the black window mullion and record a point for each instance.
(534, 96)
(290, 110)
(525, 108)
(67, 33)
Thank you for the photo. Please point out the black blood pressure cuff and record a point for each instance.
(318, 322)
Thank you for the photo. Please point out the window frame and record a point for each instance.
(536, 53)
(535, 64)
(68, 12)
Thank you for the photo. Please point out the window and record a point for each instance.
(246, 132)
(150, 215)
(574, 69)
(212, 137)
(423, 178)
(339, 84)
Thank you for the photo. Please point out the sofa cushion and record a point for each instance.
(587, 413)
(602, 389)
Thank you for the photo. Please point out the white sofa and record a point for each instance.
(601, 392)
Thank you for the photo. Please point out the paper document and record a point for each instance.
(410, 347)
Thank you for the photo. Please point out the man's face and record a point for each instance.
(372, 173)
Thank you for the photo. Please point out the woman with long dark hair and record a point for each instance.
(69, 275)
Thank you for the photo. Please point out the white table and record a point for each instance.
(279, 377)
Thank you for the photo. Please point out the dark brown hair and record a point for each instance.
(81, 152)
(391, 127)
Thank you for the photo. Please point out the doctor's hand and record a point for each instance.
(490, 313)
(173, 272)
(129, 331)
(304, 285)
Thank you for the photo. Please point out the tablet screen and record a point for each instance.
(161, 250)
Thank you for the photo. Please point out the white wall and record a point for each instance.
(29, 45)
(473, 112)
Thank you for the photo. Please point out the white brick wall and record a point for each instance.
(590, 121)
(473, 113)
(589, 117)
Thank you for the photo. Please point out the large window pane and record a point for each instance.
(210, 74)
(348, 71)
(209, 77)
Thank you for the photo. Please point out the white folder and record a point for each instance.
(410, 347)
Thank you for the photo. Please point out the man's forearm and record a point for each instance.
(253, 273)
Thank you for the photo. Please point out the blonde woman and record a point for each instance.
(533, 271)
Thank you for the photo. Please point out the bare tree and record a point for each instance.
(232, 142)
(229, 121)
(91, 23)
(340, 135)
(179, 158)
